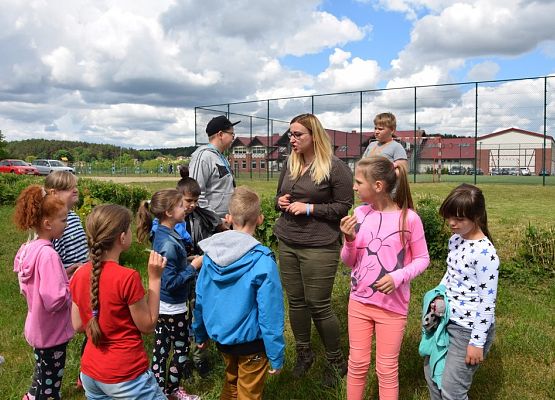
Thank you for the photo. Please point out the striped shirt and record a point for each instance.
(72, 246)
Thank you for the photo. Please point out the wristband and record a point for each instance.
(307, 209)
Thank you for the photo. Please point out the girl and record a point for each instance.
(72, 246)
(386, 249)
(44, 283)
(471, 290)
(177, 279)
(314, 192)
(109, 303)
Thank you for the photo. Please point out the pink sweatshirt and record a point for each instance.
(43, 282)
(377, 251)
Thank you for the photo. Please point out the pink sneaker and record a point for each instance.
(181, 394)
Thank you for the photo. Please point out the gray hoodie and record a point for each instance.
(213, 173)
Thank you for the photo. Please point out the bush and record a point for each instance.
(11, 185)
(265, 232)
(435, 230)
(536, 252)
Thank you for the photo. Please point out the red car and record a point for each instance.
(18, 167)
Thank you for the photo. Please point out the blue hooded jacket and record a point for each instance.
(178, 275)
(239, 295)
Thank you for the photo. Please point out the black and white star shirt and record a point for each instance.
(471, 282)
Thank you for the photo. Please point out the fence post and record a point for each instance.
(544, 153)
(268, 133)
(414, 151)
(475, 130)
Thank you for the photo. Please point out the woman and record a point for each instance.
(314, 193)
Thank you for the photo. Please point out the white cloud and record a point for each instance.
(483, 71)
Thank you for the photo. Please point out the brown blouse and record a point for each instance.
(332, 200)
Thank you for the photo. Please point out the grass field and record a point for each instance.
(521, 364)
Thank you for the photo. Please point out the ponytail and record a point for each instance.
(104, 226)
(187, 184)
(33, 205)
(162, 201)
(144, 221)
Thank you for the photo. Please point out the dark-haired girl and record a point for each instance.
(110, 305)
(471, 290)
(43, 282)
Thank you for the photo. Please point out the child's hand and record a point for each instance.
(385, 285)
(474, 355)
(274, 371)
(197, 262)
(347, 226)
(203, 345)
(156, 264)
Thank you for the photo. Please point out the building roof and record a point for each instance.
(451, 148)
(525, 132)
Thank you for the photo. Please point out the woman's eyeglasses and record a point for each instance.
(296, 135)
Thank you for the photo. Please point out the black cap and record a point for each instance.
(219, 123)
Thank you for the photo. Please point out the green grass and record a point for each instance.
(520, 365)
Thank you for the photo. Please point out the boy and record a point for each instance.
(239, 301)
(72, 246)
(385, 125)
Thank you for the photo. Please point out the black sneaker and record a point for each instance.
(305, 359)
(334, 372)
(203, 368)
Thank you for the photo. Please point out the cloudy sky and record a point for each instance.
(130, 72)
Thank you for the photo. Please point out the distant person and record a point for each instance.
(110, 305)
(211, 169)
(239, 301)
(315, 190)
(172, 328)
(44, 283)
(385, 125)
(386, 249)
(470, 290)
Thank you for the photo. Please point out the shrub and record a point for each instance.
(536, 252)
(11, 185)
(435, 230)
(265, 232)
(110, 192)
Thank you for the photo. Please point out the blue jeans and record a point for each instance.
(144, 387)
(457, 375)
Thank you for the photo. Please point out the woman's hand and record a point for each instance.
(474, 355)
(385, 285)
(347, 226)
(298, 208)
(156, 264)
(284, 201)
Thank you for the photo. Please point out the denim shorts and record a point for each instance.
(144, 387)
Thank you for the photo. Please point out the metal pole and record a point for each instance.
(246, 158)
(475, 131)
(544, 169)
(268, 132)
(196, 126)
(414, 151)
(360, 135)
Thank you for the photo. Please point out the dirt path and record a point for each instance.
(138, 179)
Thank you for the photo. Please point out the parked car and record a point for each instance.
(479, 171)
(18, 167)
(495, 171)
(456, 170)
(525, 171)
(47, 166)
(512, 171)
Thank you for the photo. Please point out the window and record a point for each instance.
(258, 150)
(244, 164)
(262, 164)
(253, 165)
(240, 150)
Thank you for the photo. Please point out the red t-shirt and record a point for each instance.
(122, 356)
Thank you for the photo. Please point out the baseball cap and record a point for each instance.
(219, 123)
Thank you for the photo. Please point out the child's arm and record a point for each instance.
(419, 251)
(487, 270)
(176, 278)
(145, 312)
(349, 250)
(53, 282)
(76, 319)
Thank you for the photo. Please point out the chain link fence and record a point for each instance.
(485, 131)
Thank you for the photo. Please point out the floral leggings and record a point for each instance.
(49, 371)
(171, 330)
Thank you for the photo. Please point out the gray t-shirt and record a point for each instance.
(391, 150)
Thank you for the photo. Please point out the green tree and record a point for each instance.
(60, 154)
(3, 145)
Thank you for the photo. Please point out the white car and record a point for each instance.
(47, 166)
(525, 171)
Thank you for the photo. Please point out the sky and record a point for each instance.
(131, 72)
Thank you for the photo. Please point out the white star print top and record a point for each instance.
(471, 281)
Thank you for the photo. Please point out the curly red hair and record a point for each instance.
(33, 205)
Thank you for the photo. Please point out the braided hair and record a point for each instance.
(104, 226)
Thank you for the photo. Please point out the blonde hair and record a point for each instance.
(321, 166)
(379, 168)
(162, 201)
(104, 225)
(386, 119)
(244, 206)
(60, 180)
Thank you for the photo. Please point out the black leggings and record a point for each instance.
(49, 371)
(171, 331)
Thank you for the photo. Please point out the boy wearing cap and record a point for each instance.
(239, 303)
(211, 169)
